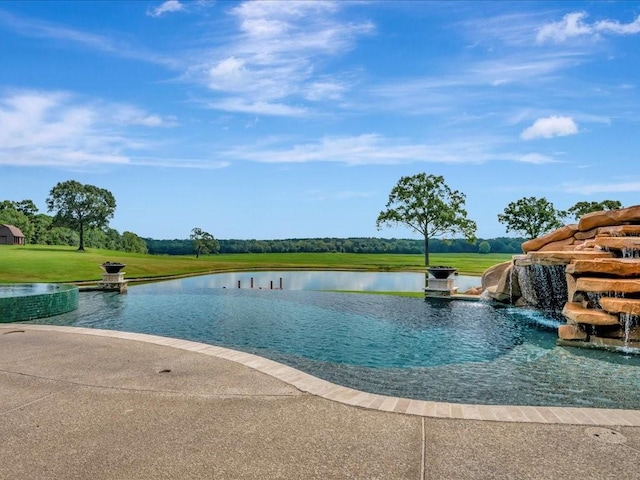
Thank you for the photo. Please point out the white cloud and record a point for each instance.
(553, 126)
(130, 115)
(574, 25)
(370, 149)
(236, 104)
(619, 28)
(571, 25)
(536, 159)
(170, 6)
(274, 58)
(57, 129)
(200, 164)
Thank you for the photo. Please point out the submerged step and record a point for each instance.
(576, 313)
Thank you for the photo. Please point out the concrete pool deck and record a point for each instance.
(84, 403)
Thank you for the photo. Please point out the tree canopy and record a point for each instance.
(582, 208)
(203, 242)
(428, 206)
(79, 206)
(531, 216)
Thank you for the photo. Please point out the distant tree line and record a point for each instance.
(341, 245)
(422, 202)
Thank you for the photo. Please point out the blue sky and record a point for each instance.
(266, 120)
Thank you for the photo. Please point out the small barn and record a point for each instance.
(10, 235)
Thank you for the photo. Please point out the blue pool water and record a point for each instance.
(455, 351)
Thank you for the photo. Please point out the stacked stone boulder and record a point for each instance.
(601, 255)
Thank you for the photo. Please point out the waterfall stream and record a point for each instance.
(543, 286)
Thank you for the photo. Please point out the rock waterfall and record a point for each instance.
(587, 272)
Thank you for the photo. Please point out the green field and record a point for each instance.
(40, 263)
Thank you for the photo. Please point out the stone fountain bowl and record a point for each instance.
(112, 267)
(441, 272)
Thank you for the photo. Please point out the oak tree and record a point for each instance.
(531, 216)
(582, 208)
(428, 206)
(203, 242)
(79, 206)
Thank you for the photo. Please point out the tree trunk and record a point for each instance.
(81, 247)
(426, 251)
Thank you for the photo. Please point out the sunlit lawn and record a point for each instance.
(39, 263)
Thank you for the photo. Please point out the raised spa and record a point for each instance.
(27, 301)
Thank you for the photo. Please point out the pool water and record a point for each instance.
(440, 350)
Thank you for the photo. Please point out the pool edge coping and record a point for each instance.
(315, 386)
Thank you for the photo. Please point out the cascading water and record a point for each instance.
(594, 297)
(543, 286)
(628, 322)
(630, 253)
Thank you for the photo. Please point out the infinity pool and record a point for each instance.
(452, 351)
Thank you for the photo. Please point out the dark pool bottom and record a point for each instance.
(449, 351)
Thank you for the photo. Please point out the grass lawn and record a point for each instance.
(45, 263)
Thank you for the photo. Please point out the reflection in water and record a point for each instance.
(26, 289)
(314, 280)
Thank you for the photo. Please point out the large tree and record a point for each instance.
(428, 206)
(531, 216)
(203, 242)
(79, 206)
(582, 208)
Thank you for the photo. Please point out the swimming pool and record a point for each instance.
(449, 351)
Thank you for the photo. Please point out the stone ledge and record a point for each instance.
(618, 243)
(592, 284)
(562, 233)
(620, 230)
(576, 313)
(619, 267)
(562, 256)
(609, 217)
(620, 305)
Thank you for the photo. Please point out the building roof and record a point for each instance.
(15, 231)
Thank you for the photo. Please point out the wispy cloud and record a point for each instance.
(123, 114)
(270, 65)
(57, 129)
(474, 85)
(537, 159)
(188, 163)
(34, 28)
(575, 25)
(170, 6)
(553, 126)
(374, 149)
